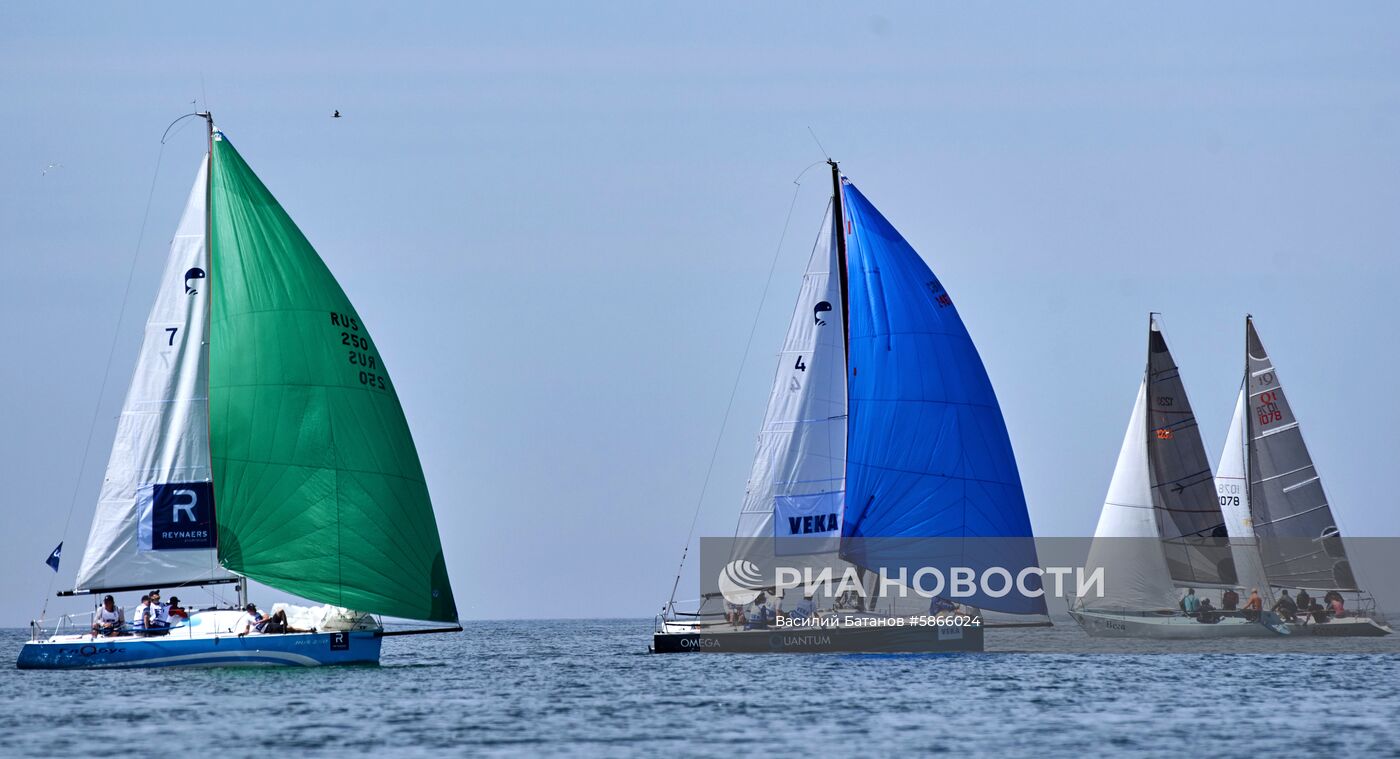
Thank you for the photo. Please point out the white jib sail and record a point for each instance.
(1232, 483)
(161, 449)
(1127, 545)
(798, 478)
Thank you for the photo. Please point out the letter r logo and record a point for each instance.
(177, 507)
(182, 516)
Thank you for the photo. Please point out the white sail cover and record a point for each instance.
(1232, 483)
(1127, 545)
(799, 469)
(154, 524)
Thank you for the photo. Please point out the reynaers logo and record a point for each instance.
(182, 516)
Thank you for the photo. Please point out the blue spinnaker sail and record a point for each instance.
(931, 479)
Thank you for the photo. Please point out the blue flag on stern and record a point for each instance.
(52, 561)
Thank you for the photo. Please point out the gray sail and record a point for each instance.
(1183, 489)
(1298, 535)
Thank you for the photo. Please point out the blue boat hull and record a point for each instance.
(291, 650)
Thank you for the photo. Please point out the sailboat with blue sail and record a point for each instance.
(262, 439)
(883, 452)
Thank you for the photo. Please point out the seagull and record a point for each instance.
(336, 115)
(49, 168)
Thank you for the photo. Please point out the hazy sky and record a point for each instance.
(557, 221)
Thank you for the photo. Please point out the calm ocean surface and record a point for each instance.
(590, 688)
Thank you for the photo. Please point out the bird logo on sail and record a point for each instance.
(740, 582)
(817, 311)
(193, 275)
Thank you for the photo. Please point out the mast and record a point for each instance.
(1147, 373)
(242, 586)
(838, 220)
(1248, 437)
(208, 180)
(838, 217)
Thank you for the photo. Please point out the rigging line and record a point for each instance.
(111, 354)
(819, 143)
(166, 133)
(724, 422)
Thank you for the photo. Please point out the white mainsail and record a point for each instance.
(798, 478)
(162, 439)
(1232, 483)
(1127, 545)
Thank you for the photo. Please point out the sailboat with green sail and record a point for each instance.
(261, 439)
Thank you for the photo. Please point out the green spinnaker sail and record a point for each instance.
(318, 487)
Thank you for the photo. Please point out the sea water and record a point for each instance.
(590, 688)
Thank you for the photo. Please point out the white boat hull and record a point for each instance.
(1176, 627)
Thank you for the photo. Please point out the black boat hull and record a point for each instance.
(910, 639)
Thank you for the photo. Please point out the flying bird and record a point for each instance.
(49, 168)
(336, 115)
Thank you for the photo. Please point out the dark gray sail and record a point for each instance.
(1183, 489)
(1298, 535)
